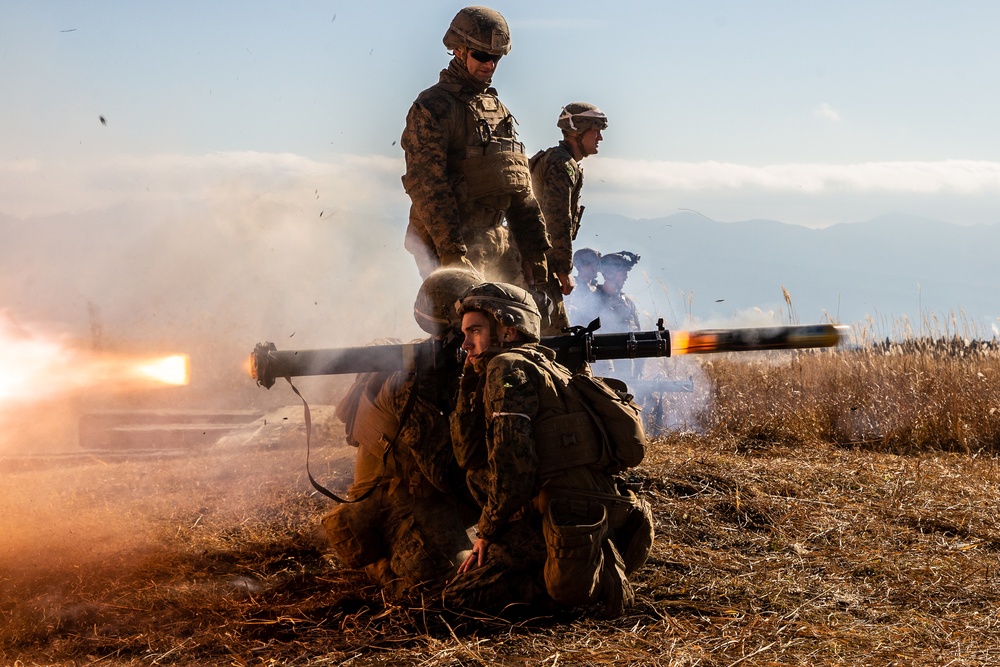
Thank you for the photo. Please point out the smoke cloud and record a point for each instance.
(207, 255)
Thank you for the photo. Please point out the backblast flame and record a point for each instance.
(174, 370)
(39, 367)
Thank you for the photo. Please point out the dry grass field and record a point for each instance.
(817, 508)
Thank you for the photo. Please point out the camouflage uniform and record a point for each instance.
(410, 528)
(557, 179)
(538, 469)
(582, 304)
(465, 173)
(409, 531)
(618, 312)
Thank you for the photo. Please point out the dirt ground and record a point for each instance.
(766, 554)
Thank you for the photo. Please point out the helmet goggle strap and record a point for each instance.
(589, 113)
(499, 42)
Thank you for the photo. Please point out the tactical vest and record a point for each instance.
(493, 164)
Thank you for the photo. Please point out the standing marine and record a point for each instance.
(407, 524)
(466, 172)
(557, 180)
(555, 523)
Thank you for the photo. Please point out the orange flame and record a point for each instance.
(38, 367)
(174, 370)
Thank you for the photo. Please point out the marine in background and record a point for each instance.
(408, 527)
(555, 525)
(557, 180)
(582, 304)
(466, 172)
(618, 311)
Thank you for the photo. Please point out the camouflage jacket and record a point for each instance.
(583, 305)
(514, 395)
(618, 312)
(442, 127)
(557, 179)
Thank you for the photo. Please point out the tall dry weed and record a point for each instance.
(920, 395)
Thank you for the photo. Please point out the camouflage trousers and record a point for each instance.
(404, 543)
(568, 558)
(489, 249)
(511, 580)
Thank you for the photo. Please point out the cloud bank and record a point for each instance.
(814, 195)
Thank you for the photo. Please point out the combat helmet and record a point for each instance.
(619, 260)
(434, 308)
(586, 257)
(480, 29)
(580, 117)
(510, 305)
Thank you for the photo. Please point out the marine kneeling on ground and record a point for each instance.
(556, 523)
(407, 526)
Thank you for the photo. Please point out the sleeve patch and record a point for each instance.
(513, 378)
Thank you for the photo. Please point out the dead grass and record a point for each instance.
(829, 509)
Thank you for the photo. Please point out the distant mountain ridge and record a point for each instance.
(888, 268)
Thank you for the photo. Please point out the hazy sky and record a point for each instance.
(245, 176)
(806, 112)
(200, 176)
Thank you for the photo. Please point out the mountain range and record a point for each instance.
(890, 273)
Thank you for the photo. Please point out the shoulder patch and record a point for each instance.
(514, 377)
(571, 171)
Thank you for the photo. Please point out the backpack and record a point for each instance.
(616, 414)
(611, 407)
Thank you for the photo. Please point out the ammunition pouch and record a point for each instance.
(574, 530)
(354, 532)
(629, 520)
(497, 169)
(634, 535)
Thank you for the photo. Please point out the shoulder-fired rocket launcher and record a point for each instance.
(578, 345)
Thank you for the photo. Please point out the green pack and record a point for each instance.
(616, 414)
(612, 409)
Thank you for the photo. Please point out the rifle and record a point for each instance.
(579, 345)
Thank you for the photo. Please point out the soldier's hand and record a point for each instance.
(566, 283)
(477, 558)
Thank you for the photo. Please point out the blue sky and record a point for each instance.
(728, 106)
(258, 141)
(752, 83)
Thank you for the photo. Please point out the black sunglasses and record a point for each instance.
(484, 57)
